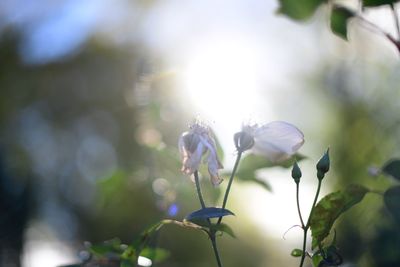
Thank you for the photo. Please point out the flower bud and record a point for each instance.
(323, 165)
(296, 172)
(243, 141)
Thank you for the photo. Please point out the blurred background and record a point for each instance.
(95, 94)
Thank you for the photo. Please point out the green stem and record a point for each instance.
(315, 202)
(228, 188)
(307, 226)
(215, 248)
(198, 188)
(303, 254)
(298, 205)
(211, 233)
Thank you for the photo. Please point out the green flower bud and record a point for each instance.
(296, 173)
(323, 165)
(243, 141)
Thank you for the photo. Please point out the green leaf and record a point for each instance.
(221, 227)
(392, 201)
(155, 254)
(252, 163)
(330, 208)
(126, 263)
(339, 18)
(372, 3)
(106, 247)
(316, 259)
(296, 252)
(392, 168)
(129, 254)
(142, 240)
(207, 213)
(299, 10)
(332, 256)
(224, 228)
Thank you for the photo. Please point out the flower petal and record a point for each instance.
(192, 162)
(213, 166)
(277, 140)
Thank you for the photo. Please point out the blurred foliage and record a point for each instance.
(88, 147)
(94, 137)
(364, 136)
(330, 207)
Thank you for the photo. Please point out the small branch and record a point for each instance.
(374, 28)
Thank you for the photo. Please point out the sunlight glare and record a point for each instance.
(221, 79)
(143, 261)
(47, 254)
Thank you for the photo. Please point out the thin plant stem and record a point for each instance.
(228, 188)
(298, 205)
(215, 248)
(396, 19)
(374, 28)
(211, 233)
(315, 202)
(303, 254)
(307, 226)
(198, 188)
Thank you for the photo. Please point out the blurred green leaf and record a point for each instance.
(372, 3)
(127, 263)
(339, 18)
(316, 259)
(299, 10)
(251, 163)
(106, 247)
(129, 254)
(207, 213)
(332, 256)
(392, 201)
(392, 168)
(141, 241)
(155, 254)
(330, 208)
(296, 252)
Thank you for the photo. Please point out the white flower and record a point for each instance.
(193, 145)
(277, 140)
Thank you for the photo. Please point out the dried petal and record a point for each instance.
(193, 145)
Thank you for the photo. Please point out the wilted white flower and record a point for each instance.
(193, 145)
(277, 140)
